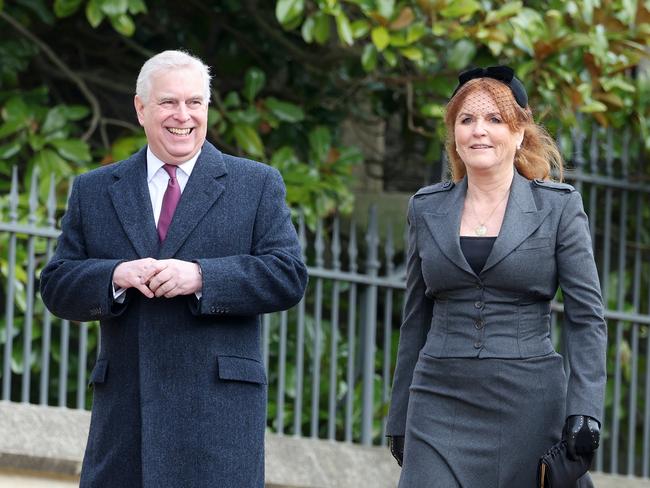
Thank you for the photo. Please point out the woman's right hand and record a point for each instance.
(396, 443)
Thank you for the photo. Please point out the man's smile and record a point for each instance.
(180, 132)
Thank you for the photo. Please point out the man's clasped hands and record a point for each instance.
(159, 278)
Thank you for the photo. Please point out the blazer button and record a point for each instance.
(479, 324)
(478, 304)
(478, 345)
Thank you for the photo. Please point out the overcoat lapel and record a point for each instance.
(444, 225)
(130, 197)
(201, 192)
(521, 219)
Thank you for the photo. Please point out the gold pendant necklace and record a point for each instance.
(481, 229)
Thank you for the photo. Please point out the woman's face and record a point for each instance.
(484, 140)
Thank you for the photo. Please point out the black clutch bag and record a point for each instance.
(556, 470)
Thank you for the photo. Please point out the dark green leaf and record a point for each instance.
(360, 28)
(390, 57)
(249, 140)
(214, 116)
(11, 127)
(285, 111)
(232, 100)
(113, 8)
(460, 8)
(369, 58)
(65, 8)
(344, 29)
(125, 146)
(320, 142)
(380, 37)
(75, 150)
(254, 82)
(386, 8)
(461, 54)
(307, 29)
(75, 112)
(137, 7)
(40, 8)
(48, 161)
(250, 116)
(94, 13)
(10, 149)
(15, 109)
(54, 120)
(321, 28)
(412, 53)
(123, 24)
(287, 11)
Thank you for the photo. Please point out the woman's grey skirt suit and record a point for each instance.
(479, 391)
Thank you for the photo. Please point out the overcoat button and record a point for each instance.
(479, 324)
(478, 345)
(478, 304)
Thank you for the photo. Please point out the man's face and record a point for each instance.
(175, 116)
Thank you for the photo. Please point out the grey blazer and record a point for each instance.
(504, 312)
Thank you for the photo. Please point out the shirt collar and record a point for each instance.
(154, 164)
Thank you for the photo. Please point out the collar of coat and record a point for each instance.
(129, 194)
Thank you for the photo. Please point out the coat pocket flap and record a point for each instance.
(235, 368)
(99, 372)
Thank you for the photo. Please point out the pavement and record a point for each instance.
(14, 479)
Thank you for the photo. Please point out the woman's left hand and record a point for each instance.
(582, 435)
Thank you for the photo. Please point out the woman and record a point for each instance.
(479, 392)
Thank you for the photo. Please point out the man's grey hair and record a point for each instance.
(168, 60)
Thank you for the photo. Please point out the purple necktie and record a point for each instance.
(170, 200)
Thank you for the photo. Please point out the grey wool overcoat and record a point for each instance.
(504, 311)
(179, 384)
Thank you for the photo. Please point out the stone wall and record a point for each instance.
(38, 444)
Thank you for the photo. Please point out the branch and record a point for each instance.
(120, 123)
(92, 100)
(316, 62)
(99, 80)
(409, 110)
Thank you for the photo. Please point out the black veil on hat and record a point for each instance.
(504, 74)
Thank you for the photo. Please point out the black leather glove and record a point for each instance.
(582, 435)
(396, 443)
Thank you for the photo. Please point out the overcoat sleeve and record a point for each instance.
(74, 286)
(418, 310)
(586, 330)
(272, 277)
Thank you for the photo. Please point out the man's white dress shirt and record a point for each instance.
(157, 180)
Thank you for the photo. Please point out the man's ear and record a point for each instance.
(139, 109)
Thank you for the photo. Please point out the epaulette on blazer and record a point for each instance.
(553, 185)
(438, 187)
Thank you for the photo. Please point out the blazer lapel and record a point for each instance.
(444, 225)
(130, 197)
(201, 192)
(521, 219)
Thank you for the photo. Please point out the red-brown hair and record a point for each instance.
(538, 154)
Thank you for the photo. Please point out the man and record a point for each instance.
(176, 251)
